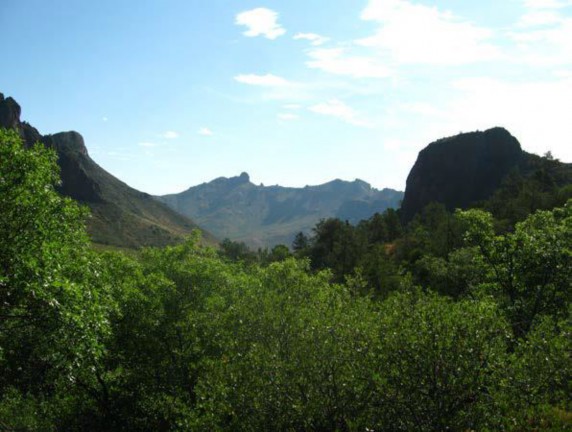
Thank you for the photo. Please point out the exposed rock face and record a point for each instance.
(10, 118)
(9, 112)
(461, 170)
(264, 216)
(76, 180)
(120, 215)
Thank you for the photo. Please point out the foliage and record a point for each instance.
(53, 305)
(446, 324)
(529, 271)
(437, 363)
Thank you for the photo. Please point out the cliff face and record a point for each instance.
(460, 170)
(120, 215)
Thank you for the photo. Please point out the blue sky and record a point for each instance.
(172, 93)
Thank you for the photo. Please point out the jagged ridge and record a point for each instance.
(267, 215)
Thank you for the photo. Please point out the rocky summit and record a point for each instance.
(464, 169)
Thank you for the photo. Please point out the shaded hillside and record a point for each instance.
(264, 216)
(121, 215)
(464, 169)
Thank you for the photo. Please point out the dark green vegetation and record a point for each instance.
(263, 216)
(453, 322)
(120, 215)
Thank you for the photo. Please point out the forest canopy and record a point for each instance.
(452, 322)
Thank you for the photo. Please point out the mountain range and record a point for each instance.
(458, 171)
(258, 215)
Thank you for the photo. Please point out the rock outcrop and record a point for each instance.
(460, 170)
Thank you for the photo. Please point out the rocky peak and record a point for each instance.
(242, 179)
(9, 113)
(66, 142)
(460, 170)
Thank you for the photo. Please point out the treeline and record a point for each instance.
(453, 322)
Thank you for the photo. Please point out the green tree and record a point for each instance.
(336, 245)
(528, 271)
(236, 251)
(437, 363)
(53, 305)
(300, 245)
(536, 386)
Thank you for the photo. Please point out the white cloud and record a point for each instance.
(315, 39)
(267, 80)
(335, 61)
(413, 33)
(104, 119)
(535, 112)
(260, 22)
(546, 4)
(422, 108)
(338, 109)
(170, 135)
(292, 106)
(547, 45)
(288, 116)
(147, 144)
(204, 131)
(539, 18)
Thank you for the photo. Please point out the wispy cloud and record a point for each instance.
(546, 4)
(204, 131)
(147, 144)
(288, 116)
(535, 111)
(338, 109)
(120, 155)
(260, 22)
(170, 135)
(336, 61)
(412, 33)
(268, 80)
(315, 39)
(543, 35)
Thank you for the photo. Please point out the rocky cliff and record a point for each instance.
(464, 169)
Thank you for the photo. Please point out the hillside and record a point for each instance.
(120, 215)
(260, 215)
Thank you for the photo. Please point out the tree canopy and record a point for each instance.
(452, 322)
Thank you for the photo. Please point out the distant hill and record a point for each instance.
(121, 215)
(467, 168)
(237, 209)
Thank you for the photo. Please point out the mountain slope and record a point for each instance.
(467, 168)
(120, 215)
(264, 216)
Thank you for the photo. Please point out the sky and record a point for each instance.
(173, 93)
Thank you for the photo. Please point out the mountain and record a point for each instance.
(467, 168)
(120, 215)
(258, 215)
